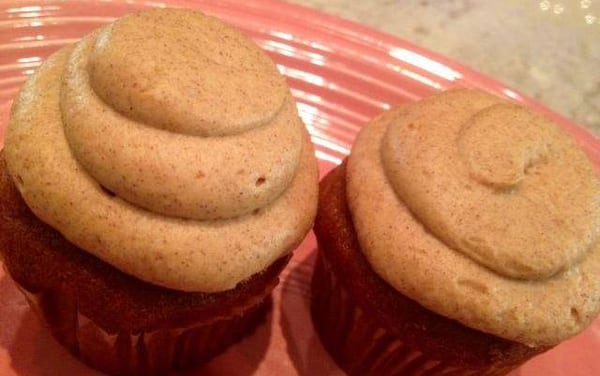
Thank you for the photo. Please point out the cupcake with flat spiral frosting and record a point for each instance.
(167, 145)
(505, 209)
(472, 236)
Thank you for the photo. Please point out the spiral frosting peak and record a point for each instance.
(169, 145)
(160, 107)
(533, 193)
(520, 143)
(185, 72)
(485, 212)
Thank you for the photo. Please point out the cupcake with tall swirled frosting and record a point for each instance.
(460, 237)
(155, 179)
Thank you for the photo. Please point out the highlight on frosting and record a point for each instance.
(487, 213)
(168, 145)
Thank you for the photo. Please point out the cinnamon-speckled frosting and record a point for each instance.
(168, 145)
(482, 211)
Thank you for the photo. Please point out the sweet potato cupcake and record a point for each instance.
(460, 237)
(155, 179)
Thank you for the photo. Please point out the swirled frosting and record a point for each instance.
(484, 212)
(168, 145)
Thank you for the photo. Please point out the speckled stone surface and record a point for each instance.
(548, 50)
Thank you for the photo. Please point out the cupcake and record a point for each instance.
(460, 237)
(155, 179)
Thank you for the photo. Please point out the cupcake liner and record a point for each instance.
(144, 353)
(362, 346)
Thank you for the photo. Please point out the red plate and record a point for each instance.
(342, 74)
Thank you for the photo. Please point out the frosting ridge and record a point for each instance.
(177, 70)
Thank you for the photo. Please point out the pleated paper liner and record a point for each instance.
(360, 345)
(155, 352)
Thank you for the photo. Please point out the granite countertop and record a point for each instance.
(548, 50)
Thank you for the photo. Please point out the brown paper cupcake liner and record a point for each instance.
(155, 352)
(359, 344)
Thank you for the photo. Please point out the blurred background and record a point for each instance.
(548, 50)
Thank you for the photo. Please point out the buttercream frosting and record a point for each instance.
(481, 211)
(168, 145)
